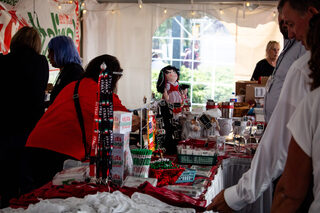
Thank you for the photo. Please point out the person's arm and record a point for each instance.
(294, 183)
(269, 160)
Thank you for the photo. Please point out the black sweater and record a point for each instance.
(70, 72)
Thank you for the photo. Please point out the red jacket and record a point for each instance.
(59, 129)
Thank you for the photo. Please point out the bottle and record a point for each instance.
(233, 98)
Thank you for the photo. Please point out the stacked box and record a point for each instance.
(122, 122)
(241, 86)
(121, 158)
(254, 91)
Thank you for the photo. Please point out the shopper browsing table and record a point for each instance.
(269, 160)
(58, 135)
(24, 77)
(303, 155)
(292, 50)
(63, 54)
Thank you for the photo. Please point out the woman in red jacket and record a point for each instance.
(57, 136)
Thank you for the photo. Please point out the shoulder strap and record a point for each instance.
(80, 117)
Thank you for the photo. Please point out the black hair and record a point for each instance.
(93, 68)
(184, 86)
(161, 83)
(299, 5)
(313, 43)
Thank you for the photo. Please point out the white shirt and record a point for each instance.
(305, 128)
(269, 160)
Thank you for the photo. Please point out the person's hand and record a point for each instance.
(218, 204)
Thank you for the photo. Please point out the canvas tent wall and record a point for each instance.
(127, 34)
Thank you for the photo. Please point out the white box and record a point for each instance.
(121, 157)
(122, 122)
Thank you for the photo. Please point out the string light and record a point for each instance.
(140, 4)
(192, 12)
(59, 6)
(70, 2)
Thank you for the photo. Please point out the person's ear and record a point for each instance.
(313, 10)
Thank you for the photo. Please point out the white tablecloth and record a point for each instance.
(228, 174)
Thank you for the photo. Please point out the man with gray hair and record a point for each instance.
(292, 50)
(270, 158)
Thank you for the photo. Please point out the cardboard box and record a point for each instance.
(241, 86)
(122, 122)
(121, 157)
(254, 91)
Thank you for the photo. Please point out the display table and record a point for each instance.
(226, 173)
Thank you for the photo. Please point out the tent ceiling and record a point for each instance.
(182, 1)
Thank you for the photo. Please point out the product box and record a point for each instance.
(122, 122)
(241, 86)
(121, 157)
(254, 91)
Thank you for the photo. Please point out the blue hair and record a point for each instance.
(65, 52)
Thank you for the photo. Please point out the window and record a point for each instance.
(203, 50)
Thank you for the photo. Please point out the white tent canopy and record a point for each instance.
(125, 31)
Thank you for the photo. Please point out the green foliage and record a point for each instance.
(224, 75)
(201, 93)
(158, 95)
(185, 74)
(164, 29)
(203, 74)
(222, 93)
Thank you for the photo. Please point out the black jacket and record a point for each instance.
(70, 72)
(24, 78)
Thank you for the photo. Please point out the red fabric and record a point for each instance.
(173, 198)
(166, 176)
(80, 190)
(49, 191)
(117, 105)
(173, 88)
(59, 129)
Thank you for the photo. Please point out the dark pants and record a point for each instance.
(11, 148)
(39, 167)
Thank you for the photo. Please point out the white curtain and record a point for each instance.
(125, 31)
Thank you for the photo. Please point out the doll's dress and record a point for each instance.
(173, 92)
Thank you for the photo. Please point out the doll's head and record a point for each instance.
(167, 74)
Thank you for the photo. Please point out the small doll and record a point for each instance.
(191, 129)
(168, 85)
(186, 101)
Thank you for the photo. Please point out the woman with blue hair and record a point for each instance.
(63, 54)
